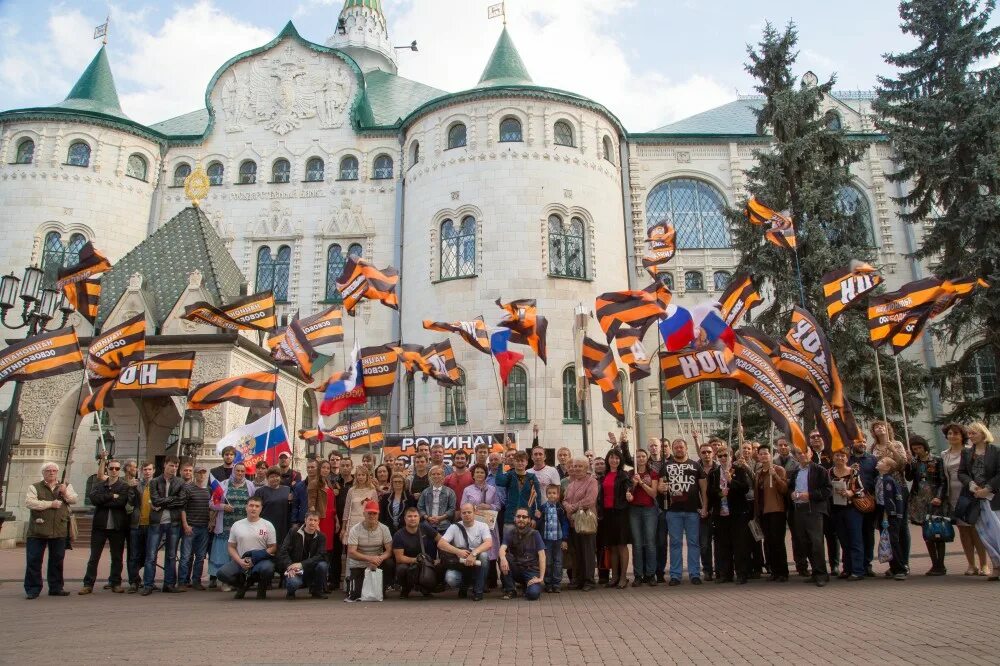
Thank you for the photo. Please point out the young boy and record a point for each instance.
(554, 527)
(889, 498)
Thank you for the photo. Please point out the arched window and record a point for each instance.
(454, 403)
(720, 279)
(281, 171)
(383, 167)
(181, 172)
(272, 271)
(308, 410)
(571, 406)
(832, 120)
(25, 152)
(136, 166)
(609, 149)
(56, 255)
(510, 130)
(853, 203)
(354, 250)
(563, 133)
(694, 281)
(79, 154)
(315, 170)
(696, 210)
(980, 376)
(215, 173)
(411, 401)
(414, 153)
(668, 279)
(375, 403)
(348, 168)
(248, 172)
(456, 136)
(335, 260)
(567, 254)
(517, 395)
(458, 248)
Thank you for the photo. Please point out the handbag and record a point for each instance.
(371, 589)
(426, 573)
(963, 509)
(450, 560)
(755, 531)
(862, 501)
(884, 544)
(585, 521)
(938, 528)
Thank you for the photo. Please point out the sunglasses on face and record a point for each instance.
(114, 469)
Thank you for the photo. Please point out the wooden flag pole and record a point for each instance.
(878, 376)
(902, 405)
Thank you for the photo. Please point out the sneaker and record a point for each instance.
(674, 582)
(854, 578)
(556, 589)
(169, 589)
(652, 581)
(349, 600)
(587, 587)
(107, 586)
(821, 581)
(660, 578)
(33, 595)
(507, 596)
(85, 590)
(899, 576)
(637, 582)
(261, 592)
(696, 581)
(709, 577)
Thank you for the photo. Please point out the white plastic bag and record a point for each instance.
(371, 589)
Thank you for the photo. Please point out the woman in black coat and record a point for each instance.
(612, 516)
(731, 511)
(979, 474)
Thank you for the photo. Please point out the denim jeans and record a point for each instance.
(136, 554)
(474, 575)
(233, 574)
(518, 575)
(172, 534)
(193, 549)
(315, 578)
(661, 542)
(681, 524)
(553, 562)
(847, 522)
(642, 520)
(34, 550)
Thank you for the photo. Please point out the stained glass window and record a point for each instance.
(349, 168)
(136, 166)
(696, 210)
(383, 167)
(248, 172)
(272, 271)
(510, 130)
(571, 406)
(315, 170)
(215, 173)
(454, 403)
(567, 254)
(25, 152)
(563, 133)
(79, 154)
(458, 248)
(281, 171)
(517, 395)
(456, 136)
(694, 281)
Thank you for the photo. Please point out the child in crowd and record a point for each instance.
(554, 527)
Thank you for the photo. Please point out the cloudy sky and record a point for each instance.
(649, 61)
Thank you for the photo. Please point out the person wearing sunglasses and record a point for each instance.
(110, 526)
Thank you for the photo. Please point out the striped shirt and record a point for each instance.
(196, 508)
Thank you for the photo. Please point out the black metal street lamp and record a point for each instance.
(192, 434)
(37, 314)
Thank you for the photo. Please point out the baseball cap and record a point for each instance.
(284, 454)
(371, 506)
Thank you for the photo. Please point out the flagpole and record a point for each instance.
(534, 389)
(798, 272)
(180, 434)
(878, 376)
(677, 415)
(100, 427)
(454, 409)
(274, 399)
(138, 429)
(465, 401)
(739, 420)
(701, 413)
(659, 346)
(76, 419)
(902, 405)
(732, 418)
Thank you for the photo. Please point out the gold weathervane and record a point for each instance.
(196, 185)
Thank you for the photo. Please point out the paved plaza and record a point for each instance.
(921, 621)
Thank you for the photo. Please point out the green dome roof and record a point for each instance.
(505, 67)
(95, 90)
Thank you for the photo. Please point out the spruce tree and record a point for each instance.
(942, 114)
(802, 171)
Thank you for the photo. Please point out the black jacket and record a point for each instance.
(623, 483)
(161, 502)
(102, 496)
(820, 489)
(293, 549)
(740, 484)
(385, 516)
(992, 477)
(935, 477)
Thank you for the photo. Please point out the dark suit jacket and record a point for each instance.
(992, 476)
(820, 488)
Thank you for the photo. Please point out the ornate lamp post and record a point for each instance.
(38, 312)
(192, 434)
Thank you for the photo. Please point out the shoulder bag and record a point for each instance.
(426, 573)
(585, 521)
(862, 501)
(937, 527)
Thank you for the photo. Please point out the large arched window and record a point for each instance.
(853, 203)
(56, 254)
(281, 171)
(456, 136)
(609, 149)
(571, 406)
(335, 260)
(510, 130)
(181, 172)
(517, 395)
(248, 172)
(567, 254)
(979, 379)
(136, 166)
(694, 281)
(272, 271)
(215, 173)
(383, 167)
(348, 168)
(563, 133)
(79, 154)
(458, 248)
(696, 210)
(720, 279)
(308, 408)
(454, 403)
(315, 170)
(25, 152)
(832, 121)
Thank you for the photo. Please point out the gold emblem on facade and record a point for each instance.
(196, 185)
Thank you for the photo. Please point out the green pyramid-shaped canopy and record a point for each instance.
(95, 90)
(185, 243)
(374, 5)
(505, 67)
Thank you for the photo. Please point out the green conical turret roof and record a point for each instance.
(505, 67)
(374, 5)
(95, 90)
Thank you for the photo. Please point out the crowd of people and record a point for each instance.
(510, 521)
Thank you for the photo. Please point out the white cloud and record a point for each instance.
(36, 67)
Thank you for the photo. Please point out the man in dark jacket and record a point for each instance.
(110, 525)
(302, 558)
(167, 499)
(810, 490)
(867, 473)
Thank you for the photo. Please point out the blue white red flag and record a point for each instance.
(259, 442)
(677, 328)
(506, 359)
(345, 389)
(706, 316)
(218, 492)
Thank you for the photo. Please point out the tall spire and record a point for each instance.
(95, 90)
(505, 67)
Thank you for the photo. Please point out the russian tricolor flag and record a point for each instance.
(677, 328)
(706, 317)
(345, 390)
(259, 442)
(505, 359)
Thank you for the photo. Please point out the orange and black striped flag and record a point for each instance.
(779, 229)
(91, 263)
(43, 355)
(83, 296)
(365, 432)
(807, 337)
(680, 370)
(527, 327)
(98, 399)
(912, 326)
(660, 241)
(631, 351)
(255, 390)
(314, 434)
(635, 309)
(753, 374)
(837, 427)
(250, 313)
(412, 357)
(889, 313)
(323, 330)
(164, 374)
(361, 280)
(112, 350)
(844, 286)
(474, 332)
(600, 368)
(295, 349)
(662, 292)
(378, 369)
(739, 298)
(440, 358)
